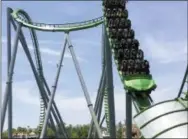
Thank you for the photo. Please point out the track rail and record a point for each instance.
(56, 27)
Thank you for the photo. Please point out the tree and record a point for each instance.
(36, 130)
(50, 133)
(5, 134)
(120, 131)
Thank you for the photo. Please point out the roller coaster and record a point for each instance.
(119, 44)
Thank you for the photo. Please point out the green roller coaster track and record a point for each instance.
(68, 27)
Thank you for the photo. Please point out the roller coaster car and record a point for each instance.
(139, 83)
(126, 47)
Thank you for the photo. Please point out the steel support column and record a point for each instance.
(128, 115)
(183, 82)
(90, 105)
(110, 88)
(10, 76)
(54, 87)
(8, 65)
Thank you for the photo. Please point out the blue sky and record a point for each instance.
(161, 28)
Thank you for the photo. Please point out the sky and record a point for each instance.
(161, 28)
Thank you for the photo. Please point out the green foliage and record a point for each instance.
(120, 131)
(22, 130)
(79, 131)
(5, 135)
(50, 133)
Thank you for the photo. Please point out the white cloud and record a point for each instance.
(48, 51)
(165, 51)
(25, 91)
(162, 94)
(72, 10)
(86, 42)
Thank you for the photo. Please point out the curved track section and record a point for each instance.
(38, 60)
(56, 27)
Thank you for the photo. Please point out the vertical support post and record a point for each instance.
(9, 80)
(90, 105)
(183, 82)
(110, 88)
(9, 10)
(128, 115)
(53, 92)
